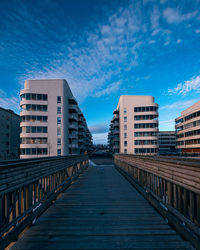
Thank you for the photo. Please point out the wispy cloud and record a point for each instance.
(100, 138)
(109, 89)
(188, 86)
(9, 102)
(179, 105)
(99, 128)
(167, 122)
(103, 56)
(173, 15)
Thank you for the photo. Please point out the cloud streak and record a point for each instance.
(188, 86)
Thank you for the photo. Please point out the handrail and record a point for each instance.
(27, 188)
(173, 183)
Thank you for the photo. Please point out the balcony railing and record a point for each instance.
(27, 188)
(170, 185)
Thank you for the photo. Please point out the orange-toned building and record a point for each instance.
(188, 130)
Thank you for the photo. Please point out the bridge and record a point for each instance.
(135, 202)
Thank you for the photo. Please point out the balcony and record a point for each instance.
(73, 117)
(72, 101)
(73, 145)
(73, 108)
(116, 112)
(116, 131)
(73, 126)
(73, 136)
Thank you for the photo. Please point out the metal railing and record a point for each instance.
(28, 187)
(172, 185)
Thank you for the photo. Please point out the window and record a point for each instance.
(58, 151)
(125, 111)
(58, 131)
(125, 127)
(125, 135)
(45, 129)
(58, 110)
(58, 141)
(28, 129)
(125, 143)
(125, 151)
(33, 96)
(125, 119)
(58, 120)
(58, 99)
(45, 97)
(39, 97)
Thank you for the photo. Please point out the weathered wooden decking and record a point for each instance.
(101, 211)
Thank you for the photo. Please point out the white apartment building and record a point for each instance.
(49, 119)
(188, 130)
(9, 134)
(134, 127)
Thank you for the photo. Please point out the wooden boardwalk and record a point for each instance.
(101, 210)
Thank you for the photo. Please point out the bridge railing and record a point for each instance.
(28, 187)
(173, 183)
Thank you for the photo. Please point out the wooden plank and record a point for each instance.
(101, 211)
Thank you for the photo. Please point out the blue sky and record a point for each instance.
(104, 49)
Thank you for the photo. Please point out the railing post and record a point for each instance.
(169, 192)
(198, 209)
(2, 209)
(185, 203)
(191, 206)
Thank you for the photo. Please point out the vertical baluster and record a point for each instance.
(191, 208)
(2, 208)
(198, 209)
(185, 204)
(170, 193)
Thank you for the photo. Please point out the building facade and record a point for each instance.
(50, 119)
(134, 127)
(188, 130)
(167, 142)
(9, 134)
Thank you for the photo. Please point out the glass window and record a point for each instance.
(44, 118)
(58, 141)
(45, 130)
(58, 131)
(125, 135)
(125, 118)
(39, 151)
(58, 120)
(44, 108)
(34, 151)
(33, 118)
(33, 96)
(28, 129)
(58, 151)
(33, 129)
(45, 97)
(58, 110)
(39, 97)
(125, 127)
(39, 107)
(39, 129)
(58, 99)
(125, 143)
(33, 107)
(45, 151)
(28, 96)
(28, 107)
